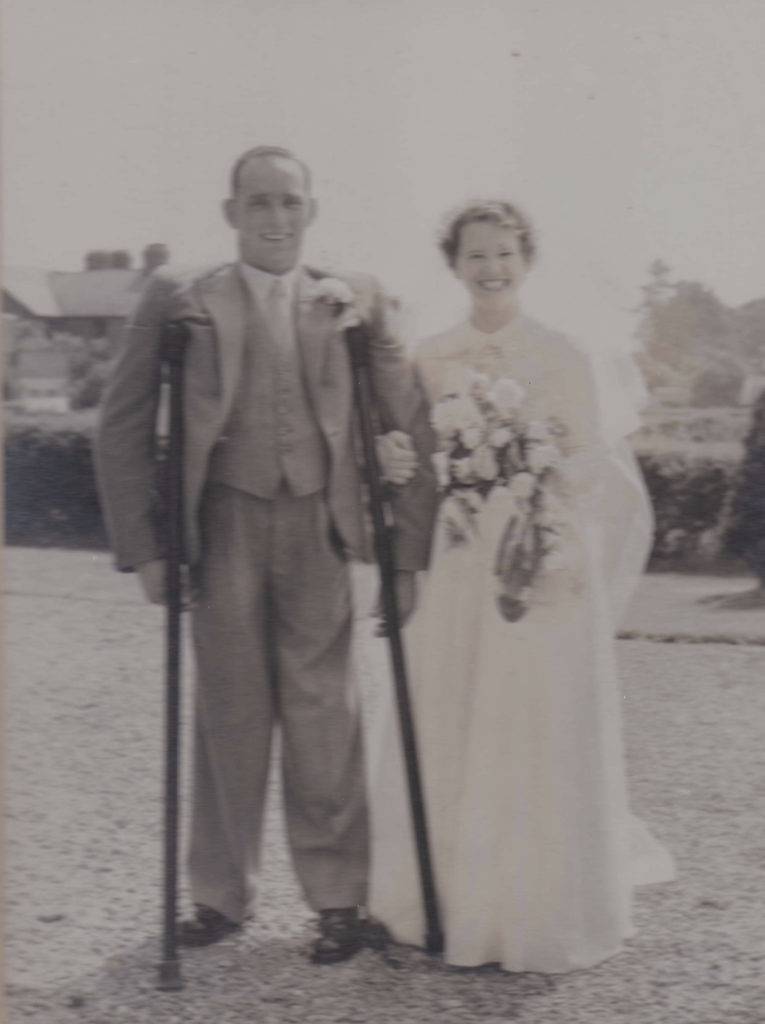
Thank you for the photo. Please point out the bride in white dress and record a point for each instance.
(518, 722)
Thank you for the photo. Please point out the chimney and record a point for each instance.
(120, 260)
(97, 260)
(154, 256)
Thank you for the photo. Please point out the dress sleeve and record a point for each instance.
(430, 373)
(605, 480)
(402, 405)
(583, 443)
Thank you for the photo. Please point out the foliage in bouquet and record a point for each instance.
(485, 443)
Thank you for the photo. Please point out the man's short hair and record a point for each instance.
(257, 151)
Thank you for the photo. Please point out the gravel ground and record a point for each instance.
(83, 834)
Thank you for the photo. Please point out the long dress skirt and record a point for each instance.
(518, 725)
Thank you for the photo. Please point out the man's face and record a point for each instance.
(270, 213)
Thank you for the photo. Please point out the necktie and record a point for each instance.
(280, 317)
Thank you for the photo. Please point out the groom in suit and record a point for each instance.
(274, 511)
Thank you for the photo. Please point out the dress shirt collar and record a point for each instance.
(260, 281)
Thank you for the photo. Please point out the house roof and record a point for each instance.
(32, 289)
(96, 292)
(81, 293)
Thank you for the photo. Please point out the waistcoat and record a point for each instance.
(272, 440)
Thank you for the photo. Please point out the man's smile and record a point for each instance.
(494, 284)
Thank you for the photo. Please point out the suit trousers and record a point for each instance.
(272, 636)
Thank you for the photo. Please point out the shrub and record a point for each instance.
(52, 499)
(692, 426)
(688, 492)
(744, 530)
(717, 386)
(50, 488)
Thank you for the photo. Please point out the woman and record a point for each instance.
(542, 533)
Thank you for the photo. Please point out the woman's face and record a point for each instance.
(489, 262)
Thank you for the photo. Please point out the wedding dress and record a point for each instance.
(518, 723)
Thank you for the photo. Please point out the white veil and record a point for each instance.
(587, 304)
(599, 316)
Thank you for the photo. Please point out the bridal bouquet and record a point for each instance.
(484, 444)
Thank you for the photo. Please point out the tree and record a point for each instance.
(688, 333)
(744, 535)
(717, 386)
(750, 322)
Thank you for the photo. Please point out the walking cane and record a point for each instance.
(174, 340)
(363, 389)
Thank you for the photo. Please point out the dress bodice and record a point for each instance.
(553, 372)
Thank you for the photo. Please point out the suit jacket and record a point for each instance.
(216, 305)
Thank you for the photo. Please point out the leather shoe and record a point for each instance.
(341, 935)
(376, 935)
(206, 927)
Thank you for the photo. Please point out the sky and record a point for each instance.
(627, 130)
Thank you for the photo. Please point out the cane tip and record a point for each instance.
(170, 979)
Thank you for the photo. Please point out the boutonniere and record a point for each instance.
(340, 299)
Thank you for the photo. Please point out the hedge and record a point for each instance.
(50, 488)
(690, 492)
(52, 500)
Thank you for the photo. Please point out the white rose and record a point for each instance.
(442, 418)
(541, 457)
(500, 437)
(441, 466)
(471, 437)
(507, 393)
(463, 470)
(474, 501)
(339, 296)
(451, 415)
(536, 430)
(466, 413)
(335, 292)
(522, 485)
(479, 384)
(484, 463)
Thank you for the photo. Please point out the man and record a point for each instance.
(273, 506)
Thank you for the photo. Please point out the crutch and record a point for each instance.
(174, 338)
(364, 397)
